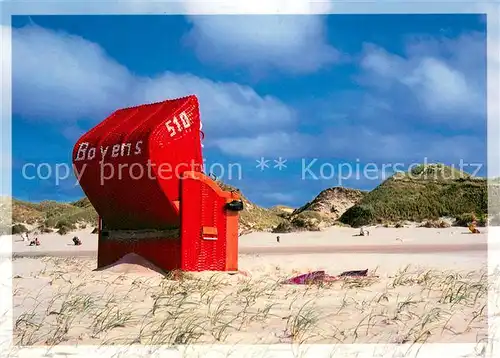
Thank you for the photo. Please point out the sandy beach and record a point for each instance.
(431, 297)
(334, 239)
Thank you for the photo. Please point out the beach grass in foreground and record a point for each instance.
(63, 301)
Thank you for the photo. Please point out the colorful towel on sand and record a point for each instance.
(321, 276)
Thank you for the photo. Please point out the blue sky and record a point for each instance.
(320, 90)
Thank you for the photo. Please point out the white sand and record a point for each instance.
(378, 236)
(54, 242)
(438, 298)
(132, 264)
(334, 236)
(405, 304)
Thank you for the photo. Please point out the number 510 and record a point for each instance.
(179, 125)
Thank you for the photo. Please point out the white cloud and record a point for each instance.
(450, 92)
(262, 39)
(279, 143)
(226, 106)
(372, 145)
(90, 84)
(439, 86)
(62, 77)
(295, 44)
(253, 7)
(364, 143)
(446, 76)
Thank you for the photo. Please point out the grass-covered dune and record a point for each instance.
(426, 192)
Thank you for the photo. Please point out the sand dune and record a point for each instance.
(413, 300)
(132, 264)
(416, 298)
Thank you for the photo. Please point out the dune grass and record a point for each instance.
(53, 214)
(428, 193)
(414, 305)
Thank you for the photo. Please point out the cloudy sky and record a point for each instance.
(346, 96)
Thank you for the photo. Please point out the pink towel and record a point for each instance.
(321, 276)
(307, 277)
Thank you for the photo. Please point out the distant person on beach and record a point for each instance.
(363, 232)
(77, 241)
(472, 227)
(277, 239)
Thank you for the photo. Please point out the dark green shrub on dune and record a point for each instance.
(425, 193)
